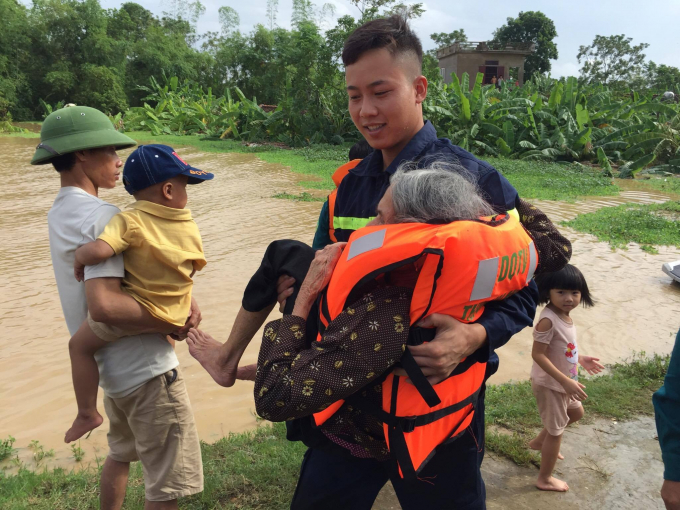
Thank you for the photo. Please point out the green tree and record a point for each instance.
(531, 27)
(272, 11)
(229, 19)
(662, 77)
(611, 58)
(303, 11)
(15, 56)
(443, 39)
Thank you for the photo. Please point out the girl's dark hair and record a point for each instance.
(360, 150)
(64, 162)
(392, 33)
(567, 278)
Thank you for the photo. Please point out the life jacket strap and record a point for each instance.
(419, 380)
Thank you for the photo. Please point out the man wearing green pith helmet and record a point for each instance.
(139, 374)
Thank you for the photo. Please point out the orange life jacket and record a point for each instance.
(338, 176)
(465, 264)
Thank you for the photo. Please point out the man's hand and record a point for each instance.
(670, 493)
(193, 321)
(79, 271)
(453, 342)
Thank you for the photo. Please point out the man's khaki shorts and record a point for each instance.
(104, 331)
(553, 406)
(155, 425)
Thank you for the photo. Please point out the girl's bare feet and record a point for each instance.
(82, 425)
(537, 444)
(208, 352)
(552, 484)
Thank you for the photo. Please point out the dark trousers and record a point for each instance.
(330, 478)
(452, 479)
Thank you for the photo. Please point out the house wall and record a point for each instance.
(470, 63)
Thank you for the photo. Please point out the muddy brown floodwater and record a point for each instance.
(637, 305)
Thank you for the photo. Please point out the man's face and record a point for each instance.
(102, 166)
(385, 96)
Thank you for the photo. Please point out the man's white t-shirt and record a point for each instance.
(77, 218)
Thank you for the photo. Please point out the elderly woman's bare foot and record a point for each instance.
(552, 484)
(208, 352)
(84, 423)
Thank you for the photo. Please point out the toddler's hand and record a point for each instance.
(575, 389)
(591, 364)
(79, 271)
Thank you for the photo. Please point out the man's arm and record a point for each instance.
(667, 411)
(105, 305)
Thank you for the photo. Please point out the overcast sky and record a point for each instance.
(656, 22)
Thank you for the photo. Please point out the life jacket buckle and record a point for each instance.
(408, 424)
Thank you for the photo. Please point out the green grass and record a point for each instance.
(302, 197)
(552, 181)
(648, 225)
(253, 470)
(512, 417)
(259, 469)
(665, 184)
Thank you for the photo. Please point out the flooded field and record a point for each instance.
(637, 306)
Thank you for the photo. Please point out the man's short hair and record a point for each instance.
(392, 33)
(64, 162)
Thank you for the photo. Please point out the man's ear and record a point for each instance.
(167, 190)
(420, 86)
(82, 155)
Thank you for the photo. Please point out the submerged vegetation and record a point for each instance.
(648, 225)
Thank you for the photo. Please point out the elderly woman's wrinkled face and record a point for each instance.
(385, 213)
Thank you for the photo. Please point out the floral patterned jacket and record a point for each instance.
(360, 345)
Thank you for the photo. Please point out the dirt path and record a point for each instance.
(609, 466)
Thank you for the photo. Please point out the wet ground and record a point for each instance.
(637, 305)
(608, 465)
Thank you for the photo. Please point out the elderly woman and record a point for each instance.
(296, 375)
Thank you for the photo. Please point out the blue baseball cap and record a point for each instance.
(151, 164)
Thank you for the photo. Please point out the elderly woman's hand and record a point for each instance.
(318, 276)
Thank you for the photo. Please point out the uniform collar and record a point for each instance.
(169, 213)
(373, 164)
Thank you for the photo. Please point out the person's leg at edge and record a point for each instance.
(113, 484)
(336, 482)
(85, 374)
(549, 453)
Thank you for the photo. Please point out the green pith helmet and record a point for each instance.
(76, 128)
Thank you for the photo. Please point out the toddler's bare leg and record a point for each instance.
(85, 374)
(221, 360)
(549, 453)
(537, 443)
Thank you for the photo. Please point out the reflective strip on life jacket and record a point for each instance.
(463, 265)
(338, 176)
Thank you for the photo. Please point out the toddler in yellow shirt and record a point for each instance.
(163, 250)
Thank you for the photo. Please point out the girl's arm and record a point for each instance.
(539, 354)
(91, 254)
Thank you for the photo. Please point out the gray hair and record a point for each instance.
(443, 191)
